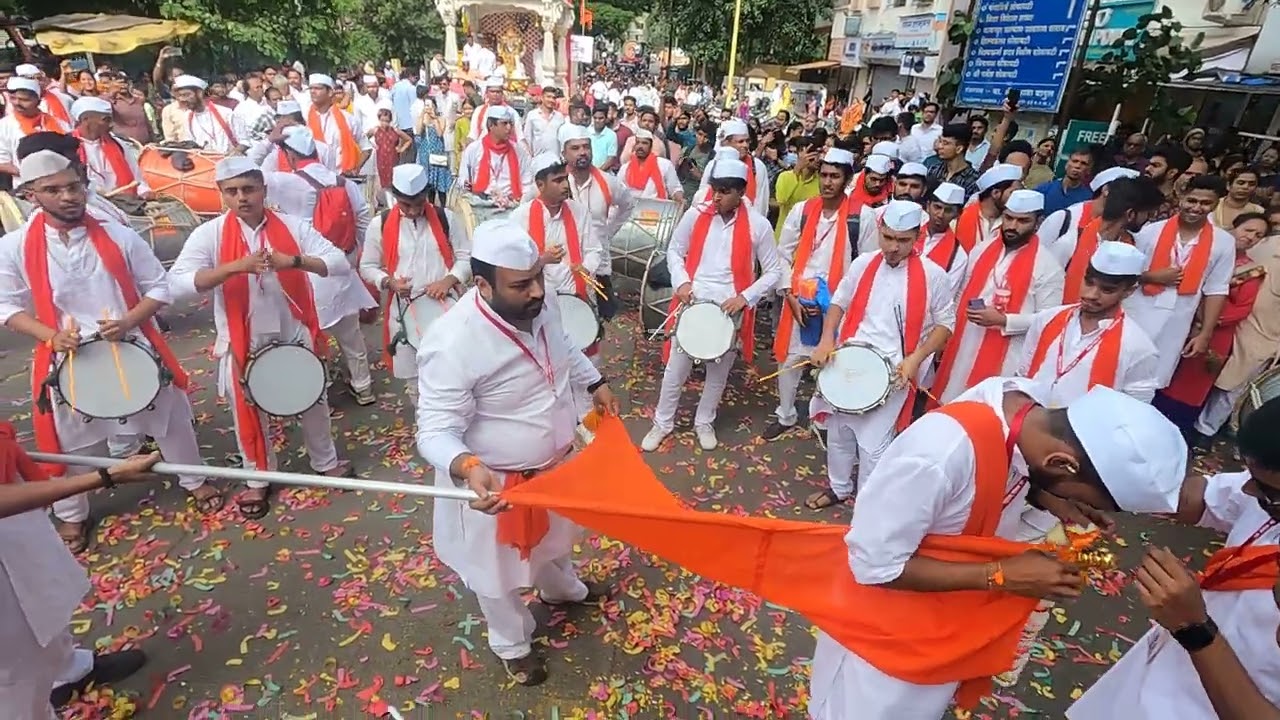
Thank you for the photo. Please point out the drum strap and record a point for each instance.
(538, 230)
(439, 224)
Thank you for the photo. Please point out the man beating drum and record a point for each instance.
(212, 127)
(83, 277)
(254, 261)
(609, 203)
(112, 163)
(496, 166)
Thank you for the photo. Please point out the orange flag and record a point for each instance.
(923, 638)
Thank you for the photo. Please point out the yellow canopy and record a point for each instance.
(106, 34)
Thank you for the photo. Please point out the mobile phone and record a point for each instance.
(977, 304)
(1015, 94)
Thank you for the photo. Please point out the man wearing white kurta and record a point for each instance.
(1104, 447)
(877, 303)
(340, 298)
(495, 148)
(734, 134)
(494, 98)
(660, 182)
(339, 129)
(542, 124)
(271, 315)
(86, 297)
(1166, 305)
(1126, 207)
(939, 235)
(25, 119)
(421, 266)
(828, 238)
(1076, 216)
(610, 203)
(267, 153)
(908, 184)
(105, 153)
(979, 222)
(988, 312)
(496, 402)
(713, 279)
(212, 127)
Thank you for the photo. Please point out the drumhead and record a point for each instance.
(855, 379)
(284, 380)
(418, 315)
(580, 320)
(704, 331)
(98, 391)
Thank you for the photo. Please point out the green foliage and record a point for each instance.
(407, 29)
(772, 30)
(610, 21)
(958, 34)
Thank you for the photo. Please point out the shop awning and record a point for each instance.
(106, 34)
(816, 65)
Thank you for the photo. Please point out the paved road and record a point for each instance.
(336, 600)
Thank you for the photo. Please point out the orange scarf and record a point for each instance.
(538, 231)
(115, 159)
(505, 149)
(860, 198)
(917, 304)
(1086, 245)
(969, 227)
(391, 259)
(15, 463)
(944, 253)
(1086, 214)
(835, 272)
(1106, 357)
(35, 253)
(1197, 264)
(924, 638)
(56, 108)
(742, 260)
(995, 344)
(601, 182)
(40, 123)
(235, 299)
(1250, 567)
(347, 144)
(642, 172)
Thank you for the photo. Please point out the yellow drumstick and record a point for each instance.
(771, 376)
(596, 286)
(115, 354)
(71, 363)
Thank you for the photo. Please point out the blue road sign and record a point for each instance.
(1027, 45)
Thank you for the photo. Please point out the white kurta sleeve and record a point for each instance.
(789, 242)
(761, 200)
(446, 402)
(461, 249)
(199, 252)
(627, 149)
(371, 256)
(624, 206)
(942, 306)
(238, 128)
(1053, 226)
(1225, 500)
(766, 250)
(1032, 340)
(526, 172)
(1217, 277)
(144, 266)
(15, 293)
(361, 209)
(1140, 378)
(842, 295)
(956, 274)
(313, 244)
(868, 231)
(131, 157)
(591, 251)
(258, 151)
(679, 247)
(468, 166)
(671, 179)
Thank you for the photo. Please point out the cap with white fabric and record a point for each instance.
(494, 83)
(1100, 180)
(732, 127)
(183, 82)
(1025, 201)
(642, 134)
(288, 107)
(1002, 173)
(322, 80)
(949, 193)
(498, 112)
(1140, 456)
(726, 168)
(886, 148)
(20, 83)
(27, 70)
(902, 215)
(1117, 258)
(727, 153)
(838, 156)
(90, 104)
(233, 166)
(878, 164)
(409, 179)
(370, 79)
(545, 160)
(502, 243)
(913, 169)
(299, 139)
(569, 132)
(41, 164)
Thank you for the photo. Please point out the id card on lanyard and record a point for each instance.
(547, 369)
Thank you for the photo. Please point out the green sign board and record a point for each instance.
(1080, 133)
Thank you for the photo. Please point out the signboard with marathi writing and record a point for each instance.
(1025, 44)
(915, 32)
(1114, 17)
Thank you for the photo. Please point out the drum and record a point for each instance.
(105, 380)
(416, 315)
(1265, 387)
(704, 332)
(856, 379)
(165, 224)
(649, 229)
(13, 212)
(581, 322)
(471, 210)
(196, 188)
(284, 379)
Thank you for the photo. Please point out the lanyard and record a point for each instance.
(548, 370)
(1252, 539)
(1015, 432)
(1062, 344)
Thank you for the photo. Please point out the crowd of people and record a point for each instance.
(1047, 344)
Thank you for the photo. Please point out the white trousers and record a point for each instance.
(848, 449)
(511, 625)
(1217, 409)
(350, 339)
(28, 671)
(178, 445)
(788, 386)
(317, 437)
(122, 446)
(673, 380)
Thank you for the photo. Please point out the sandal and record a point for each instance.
(528, 671)
(208, 503)
(254, 503)
(74, 535)
(823, 500)
(344, 469)
(596, 593)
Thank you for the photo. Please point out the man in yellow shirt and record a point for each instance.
(800, 183)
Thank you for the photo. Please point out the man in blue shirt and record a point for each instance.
(1074, 185)
(403, 93)
(604, 141)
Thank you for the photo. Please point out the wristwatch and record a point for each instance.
(107, 481)
(1196, 636)
(297, 261)
(597, 385)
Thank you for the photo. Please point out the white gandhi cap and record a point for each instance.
(838, 156)
(569, 132)
(370, 79)
(902, 215)
(1002, 173)
(545, 160)
(299, 139)
(733, 127)
(913, 169)
(1117, 258)
(1140, 456)
(1024, 201)
(725, 168)
(878, 164)
(27, 70)
(949, 193)
(90, 104)
(189, 82)
(1110, 175)
(886, 148)
(321, 80)
(498, 112)
(726, 153)
(504, 244)
(233, 166)
(41, 164)
(494, 83)
(287, 107)
(20, 83)
(642, 134)
(409, 179)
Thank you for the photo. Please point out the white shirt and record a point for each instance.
(1075, 352)
(540, 131)
(559, 278)
(1059, 222)
(11, 132)
(479, 124)
(203, 128)
(469, 53)
(102, 178)
(333, 136)
(606, 218)
(824, 243)
(483, 62)
(249, 110)
(922, 139)
(713, 278)
(670, 180)
(759, 202)
(500, 180)
(267, 154)
(1155, 679)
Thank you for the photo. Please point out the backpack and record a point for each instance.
(334, 217)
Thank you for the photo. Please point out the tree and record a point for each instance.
(610, 21)
(402, 29)
(958, 34)
(771, 30)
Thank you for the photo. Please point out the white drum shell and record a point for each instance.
(856, 379)
(98, 391)
(704, 331)
(418, 315)
(284, 380)
(580, 320)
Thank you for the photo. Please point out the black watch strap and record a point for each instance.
(107, 480)
(1198, 636)
(297, 261)
(597, 384)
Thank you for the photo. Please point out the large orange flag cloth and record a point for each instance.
(922, 638)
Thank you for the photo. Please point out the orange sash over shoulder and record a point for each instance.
(1242, 568)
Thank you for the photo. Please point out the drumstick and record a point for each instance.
(122, 188)
(70, 324)
(115, 353)
(595, 286)
(662, 326)
(771, 376)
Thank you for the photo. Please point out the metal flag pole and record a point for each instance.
(271, 476)
(733, 51)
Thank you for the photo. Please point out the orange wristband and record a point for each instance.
(995, 577)
(471, 463)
